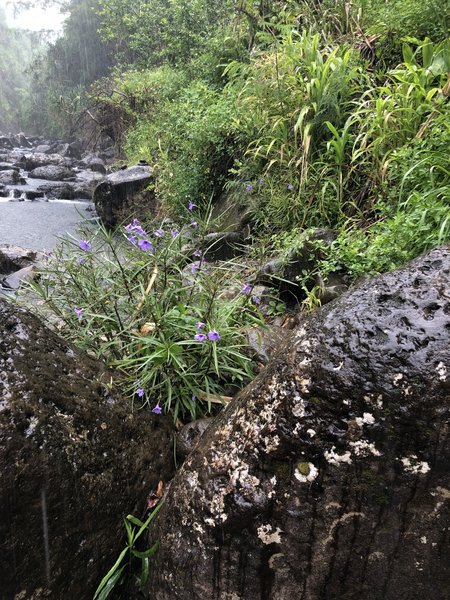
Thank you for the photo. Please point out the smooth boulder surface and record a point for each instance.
(75, 460)
(328, 476)
(51, 173)
(115, 198)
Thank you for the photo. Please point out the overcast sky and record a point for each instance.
(35, 19)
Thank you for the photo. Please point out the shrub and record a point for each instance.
(154, 312)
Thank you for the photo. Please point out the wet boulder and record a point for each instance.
(66, 190)
(51, 173)
(33, 160)
(11, 177)
(328, 476)
(75, 459)
(293, 273)
(124, 193)
(13, 258)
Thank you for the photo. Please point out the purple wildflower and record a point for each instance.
(132, 239)
(145, 245)
(140, 392)
(198, 253)
(135, 227)
(200, 337)
(247, 289)
(85, 245)
(194, 268)
(174, 233)
(199, 325)
(159, 233)
(193, 397)
(191, 205)
(79, 312)
(157, 410)
(248, 187)
(81, 261)
(290, 187)
(256, 300)
(194, 224)
(213, 335)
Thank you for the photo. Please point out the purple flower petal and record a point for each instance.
(157, 410)
(198, 253)
(174, 233)
(140, 392)
(194, 224)
(247, 289)
(79, 312)
(85, 245)
(200, 337)
(199, 325)
(145, 245)
(248, 187)
(191, 205)
(213, 335)
(256, 300)
(290, 187)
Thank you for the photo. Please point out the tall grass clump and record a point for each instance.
(156, 312)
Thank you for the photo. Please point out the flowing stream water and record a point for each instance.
(37, 225)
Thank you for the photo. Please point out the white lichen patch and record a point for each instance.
(271, 443)
(31, 427)
(268, 536)
(339, 367)
(311, 432)
(423, 539)
(397, 378)
(366, 419)
(415, 466)
(298, 406)
(441, 370)
(336, 459)
(364, 448)
(309, 474)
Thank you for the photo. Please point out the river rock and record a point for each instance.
(290, 274)
(15, 280)
(75, 459)
(66, 190)
(6, 143)
(328, 476)
(51, 173)
(31, 161)
(13, 258)
(11, 177)
(117, 198)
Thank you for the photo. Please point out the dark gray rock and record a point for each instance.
(264, 342)
(11, 177)
(6, 143)
(5, 166)
(290, 273)
(223, 245)
(13, 258)
(65, 190)
(328, 476)
(189, 435)
(15, 280)
(75, 459)
(51, 173)
(31, 161)
(116, 198)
